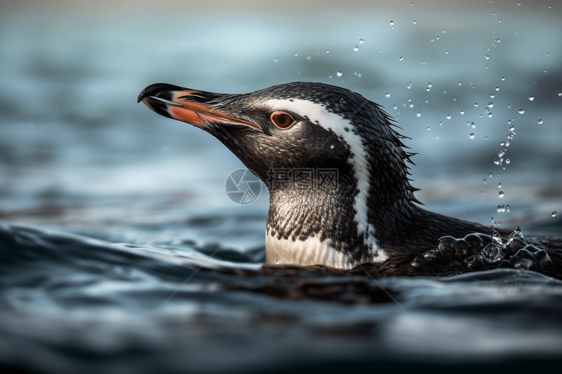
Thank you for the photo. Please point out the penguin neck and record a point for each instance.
(325, 227)
(321, 228)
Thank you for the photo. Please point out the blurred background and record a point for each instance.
(75, 148)
(78, 155)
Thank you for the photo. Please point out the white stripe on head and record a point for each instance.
(317, 113)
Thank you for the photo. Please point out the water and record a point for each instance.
(110, 213)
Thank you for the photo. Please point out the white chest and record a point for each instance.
(312, 251)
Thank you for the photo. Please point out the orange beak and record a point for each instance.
(186, 105)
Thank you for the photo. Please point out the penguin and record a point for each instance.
(335, 167)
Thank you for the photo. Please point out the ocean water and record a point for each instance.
(121, 252)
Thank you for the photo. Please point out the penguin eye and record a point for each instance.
(282, 120)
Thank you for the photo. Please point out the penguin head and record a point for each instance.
(293, 125)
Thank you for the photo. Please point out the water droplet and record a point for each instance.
(387, 95)
(276, 60)
(391, 23)
(429, 85)
(512, 128)
(487, 57)
(414, 22)
(401, 58)
(460, 83)
(428, 128)
(559, 93)
(448, 116)
(531, 98)
(497, 88)
(296, 54)
(473, 125)
(501, 194)
(476, 105)
(503, 78)
(507, 209)
(328, 51)
(277, 261)
(462, 112)
(471, 135)
(339, 73)
(359, 75)
(502, 144)
(412, 105)
(484, 180)
(496, 161)
(507, 161)
(490, 104)
(500, 185)
(492, 95)
(332, 146)
(308, 58)
(361, 41)
(540, 121)
(491, 175)
(356, 48)
(521, 111)
(496, 237)
(554, 214)
(409, 85)
(419, 114)
(507, 144)
(519, 4)
(490, 114)
(446, 52)
(437, 37)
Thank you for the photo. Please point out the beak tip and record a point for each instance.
(141, 96)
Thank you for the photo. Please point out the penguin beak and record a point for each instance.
(186, 105)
